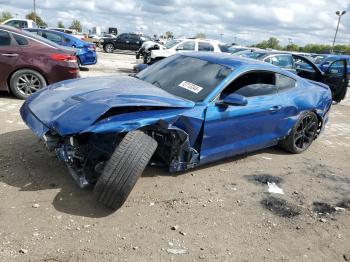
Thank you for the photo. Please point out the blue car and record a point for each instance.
(86, 52)
(323, 61)
(187, 110)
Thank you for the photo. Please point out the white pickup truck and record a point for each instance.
(183, 45)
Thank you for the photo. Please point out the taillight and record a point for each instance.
(64, 57)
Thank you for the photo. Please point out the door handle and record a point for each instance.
(10, 55)
(275, 108)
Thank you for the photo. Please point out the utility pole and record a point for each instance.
(339, 14)
(34, 11)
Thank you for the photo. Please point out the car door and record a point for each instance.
(121, 41)
(231, 130)
(134, 43)
(9, 55)
(336, 78)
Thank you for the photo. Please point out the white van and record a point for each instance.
(20, 23)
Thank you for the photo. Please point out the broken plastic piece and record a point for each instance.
(273, 188)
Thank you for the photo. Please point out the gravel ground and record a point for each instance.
(220, 212)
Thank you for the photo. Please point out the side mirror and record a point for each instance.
(234, 100)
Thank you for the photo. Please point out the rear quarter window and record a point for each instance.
(5, 38)
(20, 40)
(284, 83)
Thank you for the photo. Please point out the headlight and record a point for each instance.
(101, 40)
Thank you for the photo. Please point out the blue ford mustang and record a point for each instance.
(86, 52)
(184, 111)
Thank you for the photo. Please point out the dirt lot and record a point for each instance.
(220, 212)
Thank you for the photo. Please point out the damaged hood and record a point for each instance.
(71, 106)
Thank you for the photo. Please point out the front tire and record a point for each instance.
(124, 169)
(302, 135)
(25, 82)
(109, 48)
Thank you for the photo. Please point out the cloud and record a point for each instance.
(245, 21)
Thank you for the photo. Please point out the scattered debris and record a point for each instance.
(35, 205)
(264, 179)
(176, 227)
(346, 257)
(151, 204)
(182, 233)
(344, 204)
(23, 251)
(273, 188)
(323, 220)
(323, 208)
(280, 207)
(339, 209)
(177, 251)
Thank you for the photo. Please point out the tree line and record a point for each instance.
(274, 43)
(5, 15)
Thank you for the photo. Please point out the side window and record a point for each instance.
(20, 39)
(284, 82)
(5, 38)
(14, 23)
(52, 37)
(122, 37)
(258, 83)
(134, 38)
(204, 46)
(285, 61)
(24, 24)
(188, 46)
(337, 68)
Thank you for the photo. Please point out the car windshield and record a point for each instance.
(171, 43)
(39, 38)
(187, 77)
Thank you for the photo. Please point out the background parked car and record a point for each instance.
(29, 62)
(182, 45)
(20, 23)
(72, 32)
(86, 52)
(126, 41)
(323, 61)
(335, 76)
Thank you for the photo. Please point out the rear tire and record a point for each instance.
(124, 169)
(25, 82)
(109, 48)
(302, 134)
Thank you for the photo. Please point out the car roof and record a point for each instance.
(226, 59)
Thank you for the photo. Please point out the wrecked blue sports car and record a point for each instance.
(184, 111)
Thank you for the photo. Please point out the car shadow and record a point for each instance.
(84, 69)
(26, 164)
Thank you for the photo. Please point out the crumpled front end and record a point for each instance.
(84, 132)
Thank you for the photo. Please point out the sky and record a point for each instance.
(243, 21)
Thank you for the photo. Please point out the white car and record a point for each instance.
(20, 23)
(183, 45)
(72, 32)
